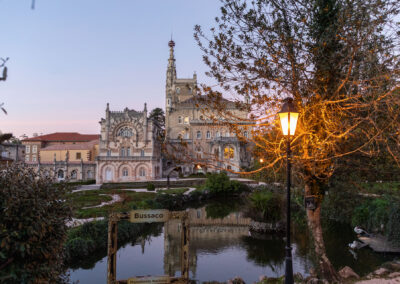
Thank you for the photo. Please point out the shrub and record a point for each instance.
(266, 206)
(33, 213)
(151, 187)
(372, 214)
(220, 184)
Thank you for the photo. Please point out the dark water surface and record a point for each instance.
(222, 248)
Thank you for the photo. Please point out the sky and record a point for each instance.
(68, 58)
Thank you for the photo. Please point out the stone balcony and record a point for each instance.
(125, 158)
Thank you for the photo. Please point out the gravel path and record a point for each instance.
(115, 198)
(77, 222)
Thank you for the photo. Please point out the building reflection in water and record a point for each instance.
(207, 235)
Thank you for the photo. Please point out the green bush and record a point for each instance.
(150, 187)
(220, 184)
(33, 213)
(266, 206)
(379, 215)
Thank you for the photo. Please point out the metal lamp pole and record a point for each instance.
(288, 259)
(288, 117)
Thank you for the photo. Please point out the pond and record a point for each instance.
(222, 247)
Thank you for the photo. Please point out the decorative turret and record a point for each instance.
(171, 70)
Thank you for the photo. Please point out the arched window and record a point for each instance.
(186, 120)
(178, 90)
(74, 174)
(198, 134)
(246, 134)
(125, 172)
(229, 152)
(180, 119)
(208, 135)
(128, 151)
(142, 172)
(60, 174)
(89, 174)
(122, 151)
(125, 132)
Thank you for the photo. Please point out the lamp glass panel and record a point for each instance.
(293, 122)
(284, 122)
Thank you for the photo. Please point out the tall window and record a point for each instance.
(141, 153)
(125, 172)
(168, 102)
(198, 134)
(180, 119)
(122, 151)
(217, 134)
(33, 158)
(34, 149)
(128, 151)
(89, 174)
(60, 174)
(246, 134)
(216, 153)
(186, 120)
(187, 136)
(74, 174)
(178, 90)
(208, 135)
(108, 153)
(78, 156)
(142, 172)
(27, 158)
(190, 90)
(28, 149)
(229, 152)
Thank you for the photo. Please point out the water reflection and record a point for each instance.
(221, 247)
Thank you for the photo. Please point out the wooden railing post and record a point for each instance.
(112, 248)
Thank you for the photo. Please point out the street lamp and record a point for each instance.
(288, 117)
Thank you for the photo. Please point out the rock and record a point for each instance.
(236, 280)
(298, 277)
(394, 274)
(381, 271)
(262, 278)
(312, 280)
(395, 266)
(347, 273)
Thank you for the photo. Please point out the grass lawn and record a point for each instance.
(173, 190)
(129, 200)
(86, 199)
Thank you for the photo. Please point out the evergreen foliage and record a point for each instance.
(33, 216)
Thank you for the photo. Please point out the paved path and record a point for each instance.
(115, 198)
(77, 222)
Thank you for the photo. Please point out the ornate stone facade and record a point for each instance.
(209, 142)
(129, 149)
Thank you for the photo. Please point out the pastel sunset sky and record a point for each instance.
(68, 58)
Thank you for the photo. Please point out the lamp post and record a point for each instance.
(288, 117)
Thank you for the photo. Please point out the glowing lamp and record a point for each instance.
(288, 117)
(261, 160)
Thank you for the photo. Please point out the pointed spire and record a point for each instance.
(145, 107)
(171, 71)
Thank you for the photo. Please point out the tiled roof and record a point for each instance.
(64, 137)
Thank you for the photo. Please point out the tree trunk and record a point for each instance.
(327, 271)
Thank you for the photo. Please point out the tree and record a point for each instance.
(158, 116)
(33, 216)
(337, 59)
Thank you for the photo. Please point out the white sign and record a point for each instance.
(149, 216)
